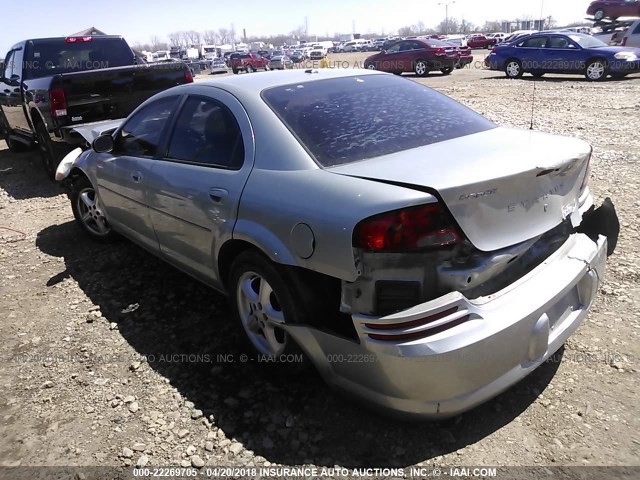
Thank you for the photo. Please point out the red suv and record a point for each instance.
(614, 8)
(419, 55)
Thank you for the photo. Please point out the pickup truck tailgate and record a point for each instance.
(101, 94)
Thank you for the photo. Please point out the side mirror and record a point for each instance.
(383, 51)
(103, 144)
(14, 81)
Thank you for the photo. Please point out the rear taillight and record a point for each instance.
(418, 228)
(58, 102)
(494, 49)
(188, 78)
(624, 42)
(440, 51)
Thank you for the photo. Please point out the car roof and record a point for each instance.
(257, 82)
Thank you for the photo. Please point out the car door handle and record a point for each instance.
(218, 194)
(136, 177)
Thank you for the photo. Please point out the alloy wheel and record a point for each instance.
(421, 68)
(90, 212)
(513, 69)
(261, 314)
(596, 70)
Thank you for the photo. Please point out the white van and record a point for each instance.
(355, 45)
(632, 37)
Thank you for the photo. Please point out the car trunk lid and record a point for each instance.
(502, 186)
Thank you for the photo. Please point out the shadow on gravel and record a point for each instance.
(22, 176)
(556, 78)
(291, 421)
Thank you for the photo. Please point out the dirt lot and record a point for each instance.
(78, 319)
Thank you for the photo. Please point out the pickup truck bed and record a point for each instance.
(49, 86)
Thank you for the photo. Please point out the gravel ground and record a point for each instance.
(111, 357)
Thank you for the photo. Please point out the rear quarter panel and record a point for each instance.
(287, 187)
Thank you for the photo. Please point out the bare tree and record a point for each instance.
(298, 33)
(466, 27)
(192, 38)
(492, 26)
(406, 31)
(175, 39)
(210, 37)
(448, 26)
(224, 35)
(157, 44)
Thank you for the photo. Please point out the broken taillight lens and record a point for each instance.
(418, 228)
(587, 172)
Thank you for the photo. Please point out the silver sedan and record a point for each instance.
(422, 258)
(280, 62)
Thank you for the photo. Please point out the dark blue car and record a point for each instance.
(564, 52)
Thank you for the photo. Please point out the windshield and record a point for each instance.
(343, 120)
(587, 41)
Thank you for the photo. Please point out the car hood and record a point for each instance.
(615, 49)
(502, 186)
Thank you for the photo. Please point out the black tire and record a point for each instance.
(447, 70)
(250, 69)
(235, 71)
(14, 146)
(600, 14)
(48, 151)
(248, 272)
(513, 68)
(596, 70)
(370, 66)
(92, 225)
(421, 68)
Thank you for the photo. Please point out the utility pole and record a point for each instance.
(446, 15)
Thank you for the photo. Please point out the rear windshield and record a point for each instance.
(57, 56)
(344, 120)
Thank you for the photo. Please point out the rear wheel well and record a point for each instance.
(227, 254)
(320, 293)
(36, 117)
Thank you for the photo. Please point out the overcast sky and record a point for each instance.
(138, 20)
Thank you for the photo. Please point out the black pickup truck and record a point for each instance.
(49, 86)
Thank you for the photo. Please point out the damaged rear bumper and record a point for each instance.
(450, 354)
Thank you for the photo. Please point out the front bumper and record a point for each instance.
(503, 338)
(624, 66)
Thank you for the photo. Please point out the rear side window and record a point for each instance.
(535, 42)
(343, 120)
(636, 30)
(57, 56)
(142, 134)
(207, 133)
